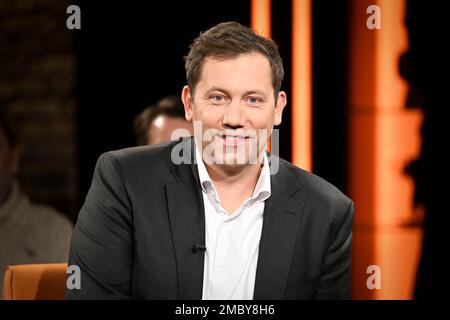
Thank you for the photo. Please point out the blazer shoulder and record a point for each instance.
(151, 163)
(154, 152)
(323, 198)
(314, 187)
(137, 157)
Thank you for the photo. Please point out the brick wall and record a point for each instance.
(37, 70)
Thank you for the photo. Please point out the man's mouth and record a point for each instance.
(233, 140)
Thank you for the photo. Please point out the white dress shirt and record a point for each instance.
(232, 240)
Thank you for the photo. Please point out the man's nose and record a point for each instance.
(233, 116)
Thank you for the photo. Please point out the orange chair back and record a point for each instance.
(35, 282)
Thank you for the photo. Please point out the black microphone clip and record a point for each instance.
(198, 247)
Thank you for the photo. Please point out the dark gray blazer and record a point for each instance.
(143, 214)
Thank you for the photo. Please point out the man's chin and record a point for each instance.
(234, 162)
(232, 167)
(233, 157)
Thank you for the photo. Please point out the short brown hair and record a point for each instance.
(229, 39)
(170, 106)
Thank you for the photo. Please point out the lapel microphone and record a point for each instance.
(198, 247)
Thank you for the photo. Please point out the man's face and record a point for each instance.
(164, 128)
(235, 98)
(7, 167)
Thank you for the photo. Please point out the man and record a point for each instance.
(29, 233)
(221, 226)
(163, 122)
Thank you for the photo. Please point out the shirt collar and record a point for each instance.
(262, 189)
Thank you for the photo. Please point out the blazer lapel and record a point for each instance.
(282, 216)
(187, 222)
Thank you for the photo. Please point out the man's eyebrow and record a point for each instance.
(246, 93)
(209, 91)
(258, 92)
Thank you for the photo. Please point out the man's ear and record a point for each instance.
(186, 97)
(281, 103)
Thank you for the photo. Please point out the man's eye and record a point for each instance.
(217, 99)
(254, 100)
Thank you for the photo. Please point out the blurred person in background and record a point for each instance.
(29, 233)
(156, 124)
